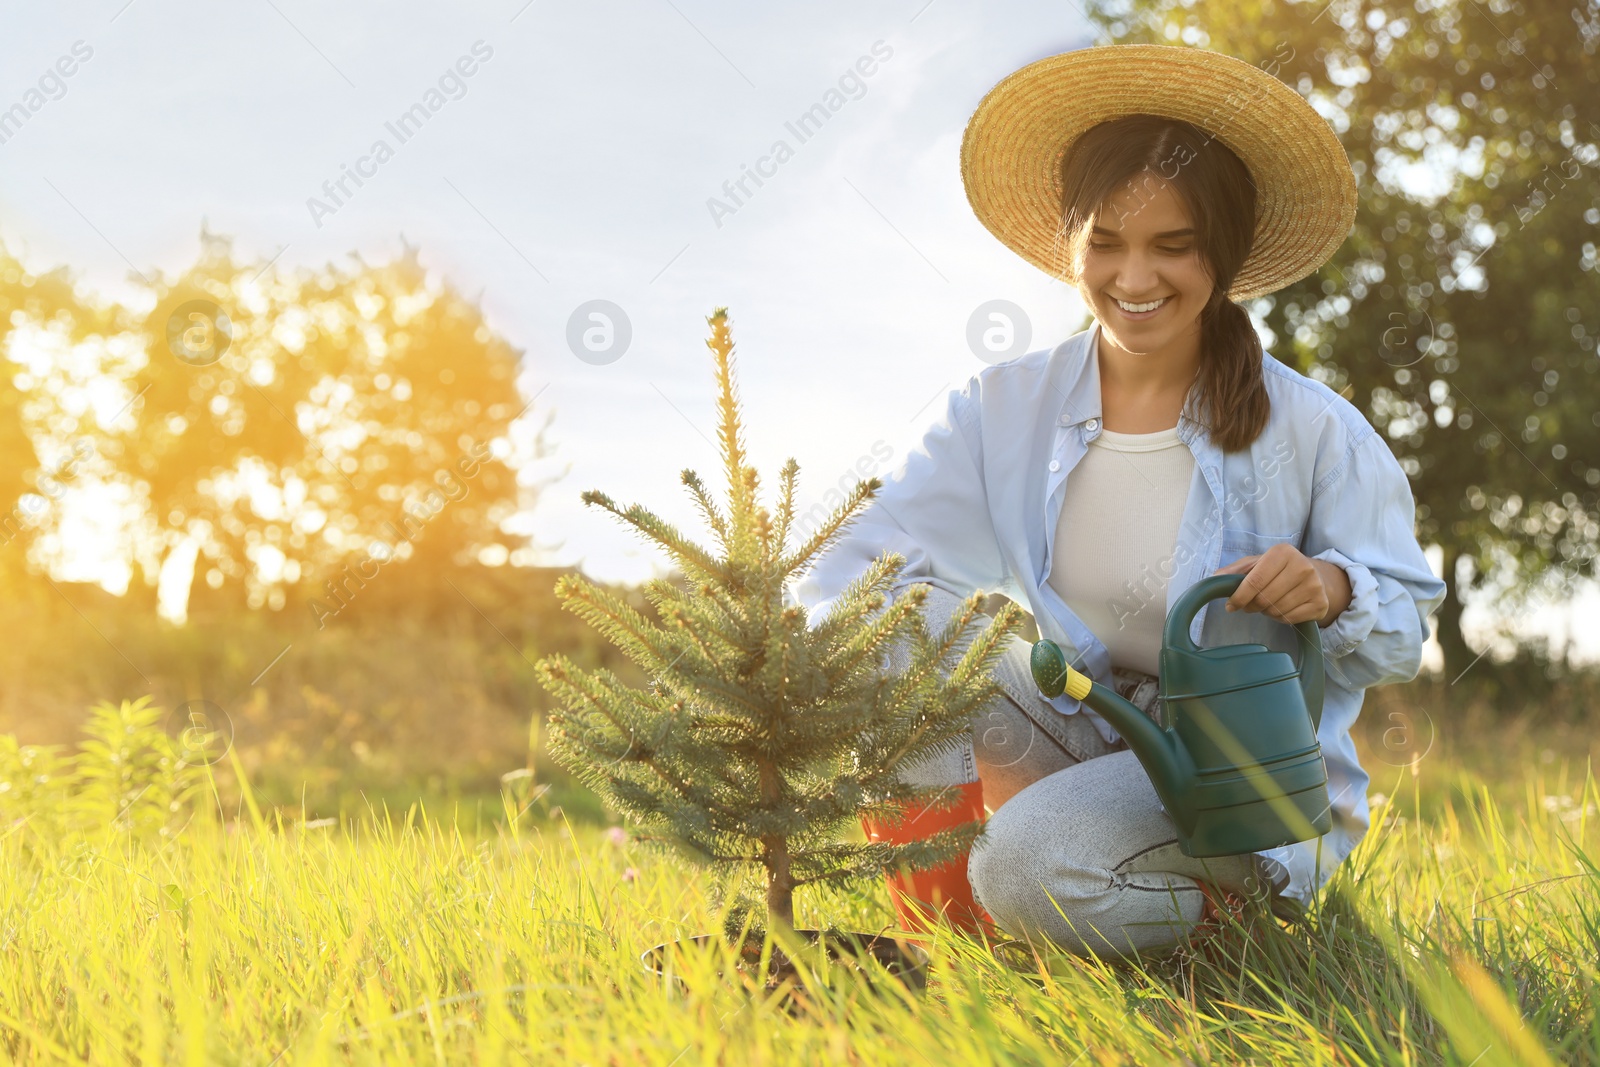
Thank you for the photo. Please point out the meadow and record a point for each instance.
(155, 909)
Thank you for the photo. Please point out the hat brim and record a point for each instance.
(1015, 140)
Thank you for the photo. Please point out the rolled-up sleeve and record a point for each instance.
(1363, 518)
(933, 510)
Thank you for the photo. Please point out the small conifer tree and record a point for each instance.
(759, 741)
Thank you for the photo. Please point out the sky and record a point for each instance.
(592, 154)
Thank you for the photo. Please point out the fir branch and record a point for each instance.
(703, 652)
(860, 599)
(687, 845)
(701, 687)
(984, 654)
(830, 527)
(903, 609)
(680, 616)
(960, 621)
(664, 595)
(936, 848)
(629, 630)
(823, 734)
(586, 695)
(577, 687)
(731, 723)
(560, 676)
(708, 507)
(636, 800)
(685, 791)
(732, 613)
(763, 538)
(764, 586)
(787, 478)
(916, 735)
(912, 739)
(728, 428)
(847, 862)
(777, 657)
(926, 659)
(844, 862)
(829, 807)
(842, 874)
(695, 560)
(909, 746)
(716, 773)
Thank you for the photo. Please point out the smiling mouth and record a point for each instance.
(1139, 308)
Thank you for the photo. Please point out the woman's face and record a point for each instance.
(1142, 251)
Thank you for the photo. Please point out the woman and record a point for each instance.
(1096, 481)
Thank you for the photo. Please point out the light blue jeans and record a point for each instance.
(1083, 854)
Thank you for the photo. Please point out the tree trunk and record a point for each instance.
(780, 881)
(780, 888)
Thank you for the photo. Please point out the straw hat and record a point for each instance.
(1014, 143)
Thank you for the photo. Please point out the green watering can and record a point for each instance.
(1236, 760)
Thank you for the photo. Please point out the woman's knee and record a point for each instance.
(1042, 874)
(1029, 884)
(1074, 907)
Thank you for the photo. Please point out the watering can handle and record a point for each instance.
(1217, 586)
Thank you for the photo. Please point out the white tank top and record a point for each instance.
(1116, 539)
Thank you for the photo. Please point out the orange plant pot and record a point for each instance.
(919, 895)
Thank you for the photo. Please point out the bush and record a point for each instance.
(128, 776)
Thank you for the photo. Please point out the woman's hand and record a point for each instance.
(1289, 586)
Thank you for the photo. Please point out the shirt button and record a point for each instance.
(1091, 424)
(1055, 465)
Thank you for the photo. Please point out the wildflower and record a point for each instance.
(630, 874)
(616, 835)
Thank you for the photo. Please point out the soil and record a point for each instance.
(903, 960)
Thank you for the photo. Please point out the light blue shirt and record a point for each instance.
(975, 506)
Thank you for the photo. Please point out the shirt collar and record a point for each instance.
(1080, 388)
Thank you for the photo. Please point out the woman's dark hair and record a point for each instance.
(1217, 189)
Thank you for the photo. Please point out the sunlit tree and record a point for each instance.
(295, 425)
(49, 432)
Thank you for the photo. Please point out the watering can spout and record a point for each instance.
(1159, 750)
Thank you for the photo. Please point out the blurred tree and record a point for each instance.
(304, 428)
(1464, 309)
(43, 407)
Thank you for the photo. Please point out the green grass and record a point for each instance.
(188, 929)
